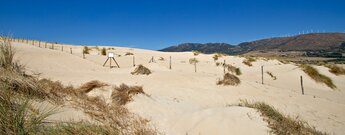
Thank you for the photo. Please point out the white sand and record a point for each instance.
(186, 102)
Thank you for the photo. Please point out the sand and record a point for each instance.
(183, 101)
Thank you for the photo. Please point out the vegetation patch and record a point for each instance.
(104, 51)
(161, 58)
(315, 75)
(141, 70)
(337, 70)
(229, 79)
(18, 115)
(123, 94)
(128, 53)
(280, 124)
(196, 53)
(271, 75)
(86, 50)
(248, 61)
(233, 69)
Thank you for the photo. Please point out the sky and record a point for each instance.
(156, 24)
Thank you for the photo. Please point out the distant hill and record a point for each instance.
(204, 48)
(306, 42)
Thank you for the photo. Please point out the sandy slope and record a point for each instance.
(183, 102)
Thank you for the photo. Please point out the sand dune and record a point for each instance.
(183, 101)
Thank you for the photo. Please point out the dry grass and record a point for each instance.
(86, 50)
(229, 79)
(128, 53)
(233, 69)
(104, 51)
(124, 93)
(280, 124)
(196, 53)
(271, 75)
(193, 61)
(315, 75)
(161, 58)
(248, 61)
(18, 116)
(87, 87)
(335, 69)
(217, 64)
(141, 70)
(216, 56)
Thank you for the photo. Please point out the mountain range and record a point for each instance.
(306, 42)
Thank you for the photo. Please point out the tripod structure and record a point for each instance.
(110, 59)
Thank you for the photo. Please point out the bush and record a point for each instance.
(280, 124)
(315, 75)
(141, 70)
(161, 59)
(86, 50)
(123, 94)
(128, 53)
(233, 69)
(196, 53)
(248, 61)
(104, 51)
(229, 79)
(335, 69)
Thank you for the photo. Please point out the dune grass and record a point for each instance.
(196, 53)
(316, 76)
(229, 79)
(128, 53)
(337, 70)
(123, 94)
(104, 51)
(19, 116)
(86, 50)
(141, 70)
(271, 75)
(248, 61)
(280, 124)
(233, 69)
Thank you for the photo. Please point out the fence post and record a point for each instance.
(70, 50)
(262, 74)
(224, 67)
(133, 61)
(83, 55)
(39, 44)
(170, 63)
(302, 86)
(62, 48)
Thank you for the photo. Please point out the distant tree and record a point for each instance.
(104, 51)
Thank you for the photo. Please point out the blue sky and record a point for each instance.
(155, 24)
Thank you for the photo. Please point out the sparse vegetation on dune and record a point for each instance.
(123, 94)
(86, 50)
(161, 58)
(337, 70)
(281, 124)
(229, 79)
(248, 61)
(19, 116)
(233, 69)
(271, 75)
(196, 53)
(217, 55)
(141, 70)
(128, 53)
(104, 51)
(315, 75)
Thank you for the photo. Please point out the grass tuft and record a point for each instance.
(128, 53)
(335, 69)
(141, 70)
(233, 69)
(104, 51)
(280, 124)
(124, 93)
(196, 53)
(271, 75)
(86, 50)
(87, 87)
(248, 61)
(315, 75)
(229, 79)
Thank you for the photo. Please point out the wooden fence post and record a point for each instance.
(83, 55)
(133, 61)
(53, 46)
(262, 74)
(39, 44)
(70, 50)
(45, 45)
(170, 63)
(302, 86)
(62, 48)
(224, 67)
(194, 66)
